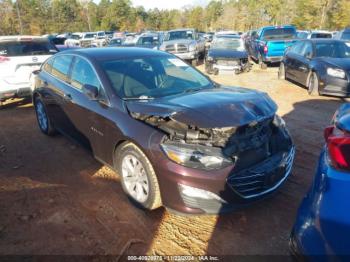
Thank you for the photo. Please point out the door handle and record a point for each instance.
(303, 68)
(67, 97)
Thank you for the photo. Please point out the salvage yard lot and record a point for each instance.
(55, 198)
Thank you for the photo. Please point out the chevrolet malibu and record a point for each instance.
(176, 138)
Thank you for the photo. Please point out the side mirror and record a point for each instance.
(308, 56)
(90, 91)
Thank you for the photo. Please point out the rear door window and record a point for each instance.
(26, 48)
(47, 67)
(297, 48)
(61, 66)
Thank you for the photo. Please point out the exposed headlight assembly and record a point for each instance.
(196, 156)
(335, 72)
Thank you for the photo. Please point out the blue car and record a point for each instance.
(322, 226)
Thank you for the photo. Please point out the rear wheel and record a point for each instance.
(281, 72)
(313, 85)
(195, 62)
(43, 119)
(138, 178)
(262, 64)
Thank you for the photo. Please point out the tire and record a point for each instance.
(44, 121)
(132, 164)
(313, 84)
(282, 72)
(195, 62)
(261, 63)
(208, 68)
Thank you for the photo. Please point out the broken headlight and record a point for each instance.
(196, 156)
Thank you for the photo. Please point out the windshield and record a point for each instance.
(75, 37)
(153, 77)
(179, 35)
(279, 33)
(227, 43)
(147, 40)
(89, 36)
(15, 48)
(333, 49)
(346, 36)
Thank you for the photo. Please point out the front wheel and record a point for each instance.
(313, 85)
(138, 178)
(42, 117)
(262, 64)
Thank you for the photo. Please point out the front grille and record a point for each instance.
(261, 179)
(170, 48)
(177, 48)
(227, 62)
(181, 48)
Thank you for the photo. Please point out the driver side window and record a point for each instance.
(83, 74)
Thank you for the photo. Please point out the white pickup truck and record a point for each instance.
(184, 43)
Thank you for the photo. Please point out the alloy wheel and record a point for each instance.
(41, 115)
(135, 178)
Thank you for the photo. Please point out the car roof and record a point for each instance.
(228, 36)
(106, 54)
(21, 38)
(320, 32)
(277, 27)
(182, 29)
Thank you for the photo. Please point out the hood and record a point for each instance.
(227, 53)
(179, 41)
(210, 108)
(343, 63)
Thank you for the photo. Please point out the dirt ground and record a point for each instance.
(55, 198)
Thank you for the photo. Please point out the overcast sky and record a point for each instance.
(168, 4)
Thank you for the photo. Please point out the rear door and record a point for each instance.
(56, 98)
(89, 117)
(291, 60)
(302, 68)
(23, 57)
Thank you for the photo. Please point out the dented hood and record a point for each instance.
(210, 108)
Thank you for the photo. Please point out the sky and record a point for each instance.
(168, 4)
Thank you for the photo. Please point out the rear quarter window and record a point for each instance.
(47, 66)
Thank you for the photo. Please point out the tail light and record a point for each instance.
(265, 49)
(4, 59)
(338, 146)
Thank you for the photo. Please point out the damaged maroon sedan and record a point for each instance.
(176, 138)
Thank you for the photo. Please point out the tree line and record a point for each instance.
(39, 17)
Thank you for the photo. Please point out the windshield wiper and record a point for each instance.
(143, 97)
